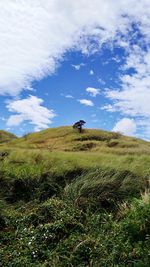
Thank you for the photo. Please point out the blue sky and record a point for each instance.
(73, 65)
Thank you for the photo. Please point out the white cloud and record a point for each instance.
(66, 96)
(91, 72)
(69, 96)
(125, 126)
(31, 110)
(93, 91)
(133, 97)
(78, 67)
(35, 34)
(116, 59)
(109, 108)
(86, 102)
(101, 81)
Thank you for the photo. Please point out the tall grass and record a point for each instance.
(78, 208)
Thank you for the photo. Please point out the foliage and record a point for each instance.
(64, 209)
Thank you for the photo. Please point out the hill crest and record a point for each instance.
(66, 138)
(6, 136)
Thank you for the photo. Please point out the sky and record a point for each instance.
(65, 60)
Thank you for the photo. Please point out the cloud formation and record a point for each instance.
(133, 97)
(93, 91)
(30, 110)
(125, 126)
(34, 35)
(86, 102)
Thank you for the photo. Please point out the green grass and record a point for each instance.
(68, 139)
(70, 199)
(6, 137)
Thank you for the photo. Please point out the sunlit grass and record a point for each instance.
(74, 200)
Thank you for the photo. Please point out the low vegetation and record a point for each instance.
(70, 199)
(6, 137)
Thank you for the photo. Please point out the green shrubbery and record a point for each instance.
(67, 210)
(66, 236)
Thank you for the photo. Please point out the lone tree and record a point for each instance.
(78, 125)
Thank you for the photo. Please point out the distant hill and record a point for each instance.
(67, 139)
(6, 136)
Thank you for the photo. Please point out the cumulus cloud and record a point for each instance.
(31, 110)
(125, 126)
(35, 34)
(93, 91)
(86, 102)
(133, 98)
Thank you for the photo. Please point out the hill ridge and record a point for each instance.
(65, 138)
(6, 136)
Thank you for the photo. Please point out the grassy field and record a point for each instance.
(70, 199)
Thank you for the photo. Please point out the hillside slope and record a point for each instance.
(68, 139)
(6, 136)
(70, 199)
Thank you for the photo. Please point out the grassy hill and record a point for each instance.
(6, 136)
(70, 199)
(68, 139)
